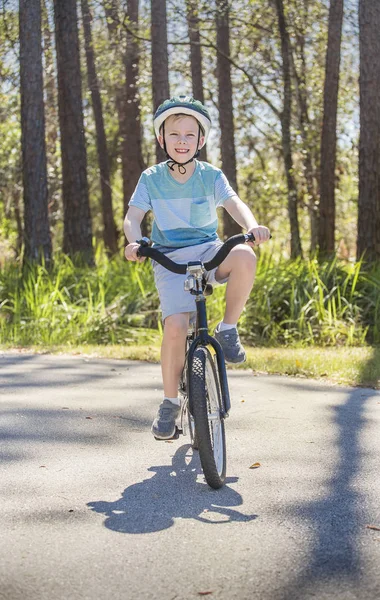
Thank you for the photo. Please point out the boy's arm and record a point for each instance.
(243, 215)
(132, 230)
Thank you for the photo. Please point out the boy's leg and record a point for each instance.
(173, 351)
(240, 269)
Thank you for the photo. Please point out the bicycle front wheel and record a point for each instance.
(206, 403)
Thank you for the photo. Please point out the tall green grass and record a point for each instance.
(293, 303)
(311, 303)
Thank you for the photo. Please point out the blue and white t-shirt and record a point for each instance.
(184, 213)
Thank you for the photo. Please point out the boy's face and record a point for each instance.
(181, 137)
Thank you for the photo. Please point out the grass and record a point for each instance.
(304, 318)
(341, 366)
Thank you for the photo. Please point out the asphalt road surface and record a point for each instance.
(93, 508)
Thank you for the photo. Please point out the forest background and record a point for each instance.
(293, 90)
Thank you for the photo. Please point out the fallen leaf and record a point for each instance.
(242, 400)
(375, 527)
(255, 465)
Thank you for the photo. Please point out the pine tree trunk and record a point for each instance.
(133, 163)
(307, 141)
(117, 43)
(226, 120)
(295, 239)
(328, 140)
(36, 225)
(368, 241)
(109, 232)
(195, 56)
(77, 235)
(51, 119)
(160, 61)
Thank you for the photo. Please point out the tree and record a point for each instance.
(132, 158)
(305, 49)
(286, 115)
(160, 60)
(51, 118)
(110, 233)
(77, 235)
(195, 56)
(226, 119)
(36, 225)
(329, 135)
(368, 241)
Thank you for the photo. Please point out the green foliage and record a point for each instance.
(68, 304)
(293, 303)
(307, 303)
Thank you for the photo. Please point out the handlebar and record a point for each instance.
(181, 269)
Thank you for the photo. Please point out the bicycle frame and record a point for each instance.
(202, 337)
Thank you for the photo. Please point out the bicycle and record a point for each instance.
(203, 385)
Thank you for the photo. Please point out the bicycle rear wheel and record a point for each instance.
(206, 403)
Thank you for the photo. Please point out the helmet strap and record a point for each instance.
(171, 162)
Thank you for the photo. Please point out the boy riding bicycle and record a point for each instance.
(183, 194)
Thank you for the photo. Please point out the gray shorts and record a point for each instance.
(173, 298)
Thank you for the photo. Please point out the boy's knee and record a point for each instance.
(245, 258)
(176, 326)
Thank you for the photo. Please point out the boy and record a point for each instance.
(183, 194)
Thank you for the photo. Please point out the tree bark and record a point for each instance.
(110, 233)
(368, 240)
(226, 120)
(117, 43)
(51, 119)
(36, 225)
(195, 56)
(308, 141)
(160, 60)
(77, 235)
(295, 240)
(328, 140)
(133, 162)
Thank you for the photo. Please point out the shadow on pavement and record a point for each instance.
(338, 517)
(36, 371)
(23, 429)
(173, 492)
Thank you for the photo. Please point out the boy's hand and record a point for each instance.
(261, 233)
(130, 252)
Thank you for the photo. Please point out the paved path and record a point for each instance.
(93, 508)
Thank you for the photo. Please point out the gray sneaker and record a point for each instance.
(230, 342)
(163, 426)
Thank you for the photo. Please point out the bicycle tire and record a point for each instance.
(206, 402)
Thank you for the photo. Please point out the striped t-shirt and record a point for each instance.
(184, 213)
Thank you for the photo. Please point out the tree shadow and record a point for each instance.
(173, 492)
(338, 518)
